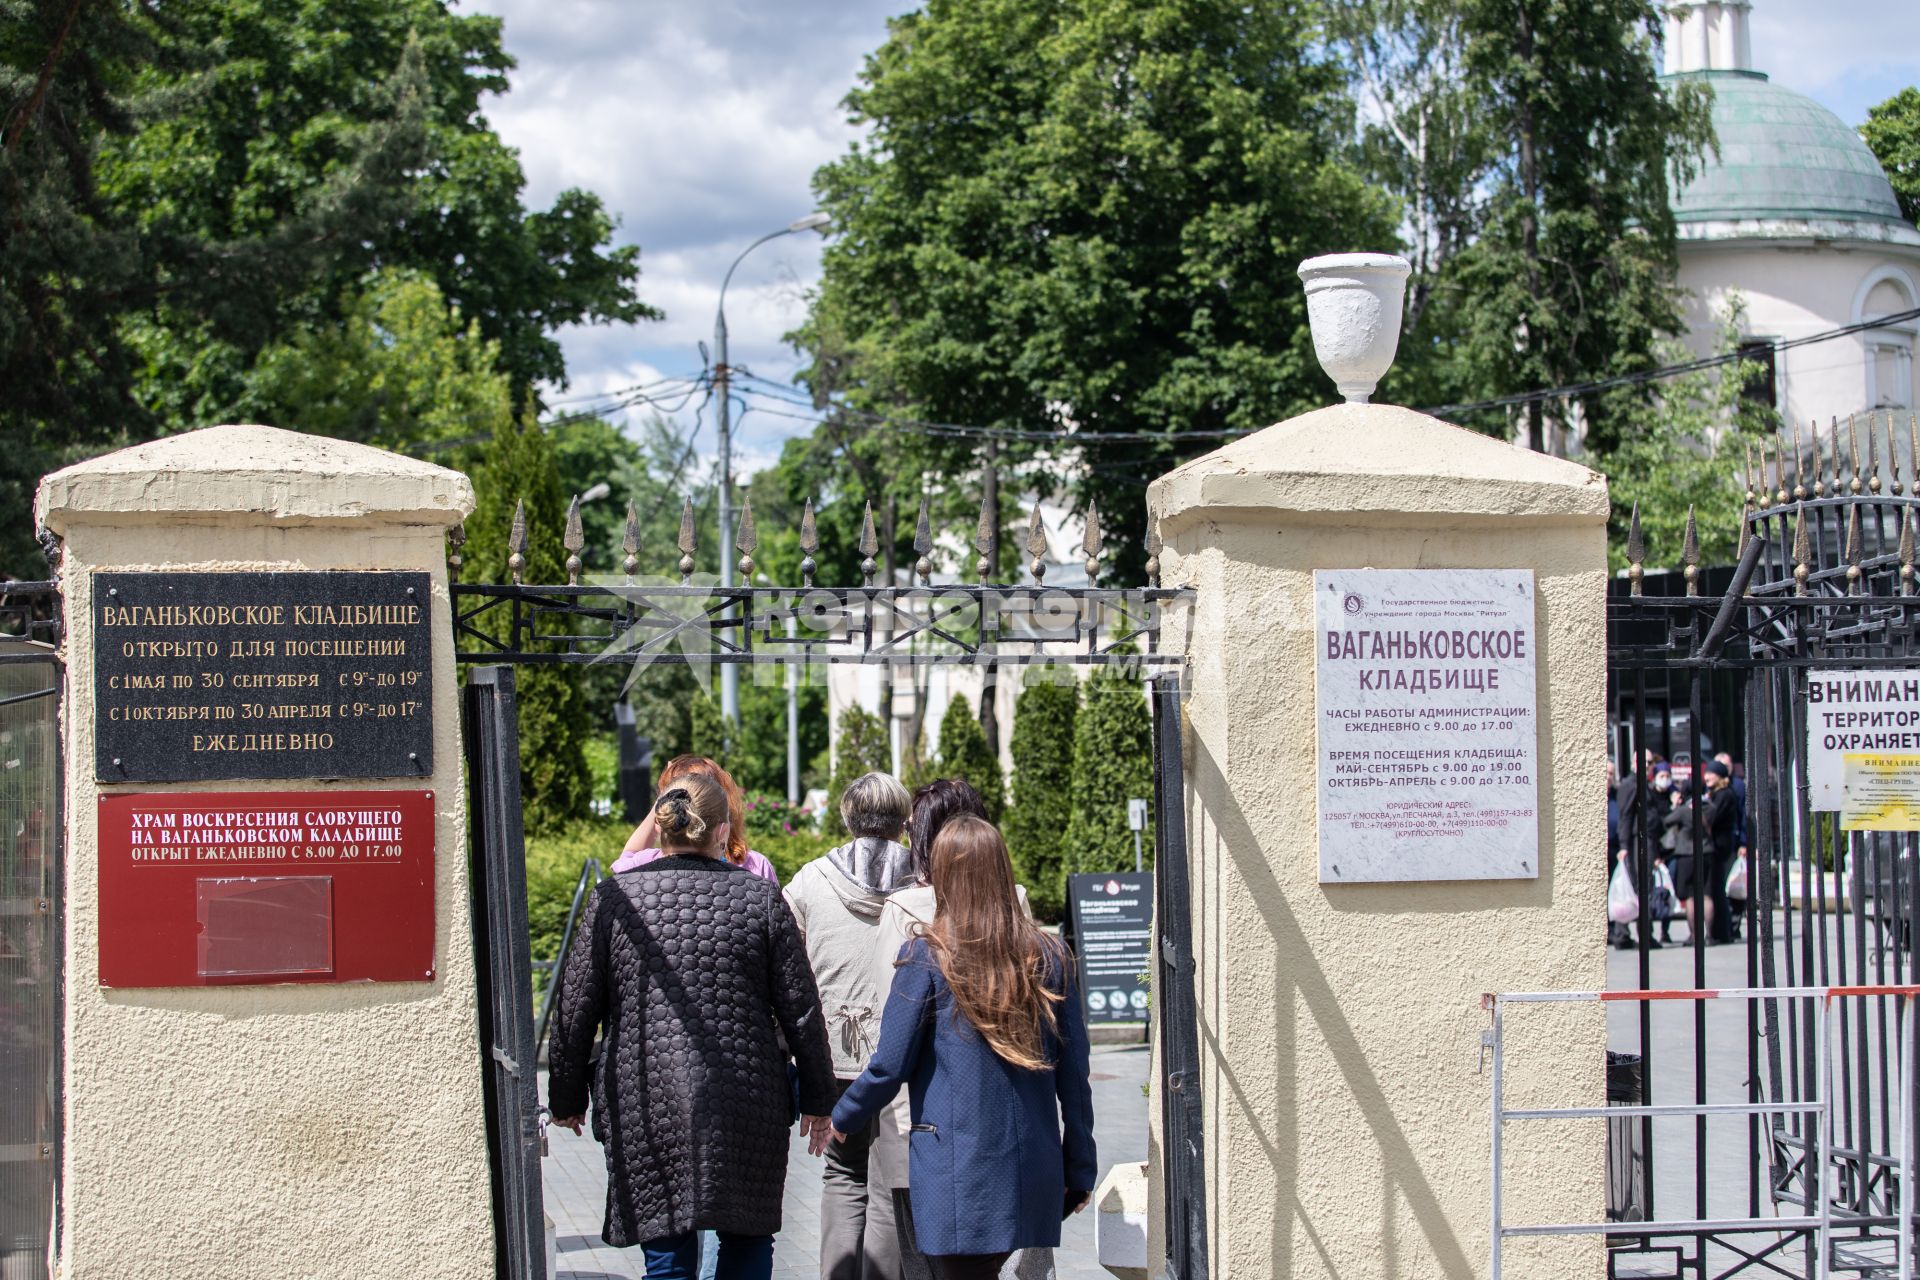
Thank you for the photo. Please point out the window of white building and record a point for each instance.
(1889, 350)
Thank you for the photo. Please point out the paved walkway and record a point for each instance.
(576, 1187)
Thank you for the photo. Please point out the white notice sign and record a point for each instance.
(1428, 740)
(1854, 711)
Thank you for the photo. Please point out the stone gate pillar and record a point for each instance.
(1347, 1123)
(304, 1098)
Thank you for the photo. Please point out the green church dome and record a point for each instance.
(1782, 156)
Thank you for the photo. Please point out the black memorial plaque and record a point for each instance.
(1112, 934)
(201, 676)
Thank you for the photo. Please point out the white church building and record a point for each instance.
(1796, 217)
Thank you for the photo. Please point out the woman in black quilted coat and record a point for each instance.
(693, 967)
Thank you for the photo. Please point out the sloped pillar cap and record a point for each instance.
(282, 476)
(1376, 458)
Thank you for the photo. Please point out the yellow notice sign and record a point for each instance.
(1882, 791)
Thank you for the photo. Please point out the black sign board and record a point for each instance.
(262, 675)
(1112, 933)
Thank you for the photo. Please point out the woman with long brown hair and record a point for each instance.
(983, 1026)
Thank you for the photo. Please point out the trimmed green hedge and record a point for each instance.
(1036, 825)
(1112, 763)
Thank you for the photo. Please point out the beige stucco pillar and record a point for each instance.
(274, 1130)
(1346, 1119)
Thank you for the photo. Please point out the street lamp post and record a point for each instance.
(722, 377)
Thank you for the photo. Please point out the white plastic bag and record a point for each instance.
(1623, 904)
(1737, 879)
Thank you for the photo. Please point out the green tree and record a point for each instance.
(1105, 237)
(250, 150)
(860, 749)
(1532, 145)
(758, 759)
(1688, 458)
(707, 735)
(554, 716)
(1037, 821)
(400, 371)
(964, 754)
(1112, 764)
(1892, 131)
(190, 184)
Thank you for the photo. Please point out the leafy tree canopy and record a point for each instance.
(1892, 131)
(1105, 238)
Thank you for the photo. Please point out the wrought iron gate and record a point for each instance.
(1823, 594)
(498, 875)
(32, 830)
(637, 620)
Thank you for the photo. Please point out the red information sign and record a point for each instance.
(229, 887)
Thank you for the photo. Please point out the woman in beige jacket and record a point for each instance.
(837, 902)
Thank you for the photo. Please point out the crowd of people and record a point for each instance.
(702, 1012)
(1694, 828)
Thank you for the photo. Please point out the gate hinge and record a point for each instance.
(513, 1068)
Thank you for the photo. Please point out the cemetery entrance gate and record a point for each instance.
(1014, 631)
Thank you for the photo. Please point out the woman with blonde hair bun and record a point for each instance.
(692, 968)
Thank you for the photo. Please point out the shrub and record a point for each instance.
(1036, 826)
(707, 733)
(964, 754)
(554, 859)
(519, 468)
(785, 834)
(1112, 763)
(861, 749)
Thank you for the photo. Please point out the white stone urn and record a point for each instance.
(1353, 305)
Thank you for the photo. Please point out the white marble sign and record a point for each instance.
(1428, 738)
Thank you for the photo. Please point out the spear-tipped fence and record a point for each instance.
(633, 617)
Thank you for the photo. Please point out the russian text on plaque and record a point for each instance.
(202, 676)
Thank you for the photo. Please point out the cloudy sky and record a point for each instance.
(701, 124)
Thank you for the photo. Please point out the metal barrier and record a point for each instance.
(1819, 1224)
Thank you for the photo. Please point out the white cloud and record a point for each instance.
(701, 127)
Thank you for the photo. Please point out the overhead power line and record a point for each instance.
(1577, 389)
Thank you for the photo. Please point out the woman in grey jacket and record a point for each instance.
(836, 901)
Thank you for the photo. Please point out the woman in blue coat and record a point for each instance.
(983, 1026)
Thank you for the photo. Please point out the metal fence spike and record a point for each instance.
(1906, 551)
(1153, 545)
(746, 540)
(1913, 451)
(809, 543)
(1853, 548)
(1853, 451)
(517, 541)
(686, 542)
(630, 544)
(1037, 544)
(923, 543)
(456, 539)
(1802, 551)
(1746, 531)
(574, 540)
(1800, 466)
(1819, 468)
(1690, 554)
(983, 536)
(1833, 435)
(1893, 458)
(1873, 458)
(869, 544)
(1747, 474)
(1637, 546)
(1090, 543)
